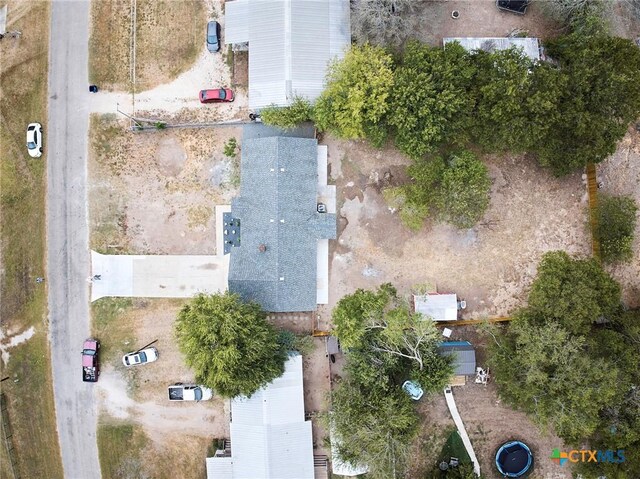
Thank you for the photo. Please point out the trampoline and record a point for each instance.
(514, 459)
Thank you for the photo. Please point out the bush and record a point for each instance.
(290, 116)
(616, 227)
(230, 148)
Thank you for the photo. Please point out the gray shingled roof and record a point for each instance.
(277, 208)
(464, 362)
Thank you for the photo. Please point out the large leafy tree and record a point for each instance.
(355, 102)
(579, 377)
(576, 293)
(229, 344)
(374, 427)
(502, 84)
(546, 371)
(431, 102)
(385, 345)
(601, 98)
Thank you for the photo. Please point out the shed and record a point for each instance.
(464, 362)
(291, 43)
(439, 307)
(529, 46)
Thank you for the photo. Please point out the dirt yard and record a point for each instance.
(177, 434)
(490, 266)
(489, 425)
(478, 18)
(621, 176)
(155, 192)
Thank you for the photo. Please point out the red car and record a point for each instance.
(216, 95)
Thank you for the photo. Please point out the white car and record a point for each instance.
(143, 356)
(34, 140)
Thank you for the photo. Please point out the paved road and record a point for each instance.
(67, 235)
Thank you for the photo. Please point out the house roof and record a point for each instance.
(464, 362)
(276, 262)
(439, 307)
(270, 437)
(529, 46)
(290, 44)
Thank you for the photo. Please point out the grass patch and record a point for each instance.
(121, 446)
(112, 326)
(169, 37)
(23, 82)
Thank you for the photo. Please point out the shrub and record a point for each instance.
(290, 116)
(616, 226)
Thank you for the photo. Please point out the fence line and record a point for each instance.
(7, 435)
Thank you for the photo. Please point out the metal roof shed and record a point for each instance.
(529, 46)
(464, 362)
(439, 307)
(291, 42)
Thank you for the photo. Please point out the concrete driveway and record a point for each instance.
(157, 276)
(67, 236)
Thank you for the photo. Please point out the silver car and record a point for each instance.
(213, 36)
(34, 140)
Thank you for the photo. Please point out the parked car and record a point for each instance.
(189, 392)
(143, 356)
(34, 140)
(213, 37)
(90, 360)
(216, 95)
(413, 389)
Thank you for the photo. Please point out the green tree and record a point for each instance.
(456, 192)
(547, 371)
(354, 313)
(431, 103)
(616, 227)
(576, 293)
(374, 427)
(290, 116)
(502, 86)
(601, 98)
(229, 344)
(356, 100)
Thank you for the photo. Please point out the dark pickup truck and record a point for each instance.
(90, 362)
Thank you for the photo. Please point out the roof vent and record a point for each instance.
(262, 248)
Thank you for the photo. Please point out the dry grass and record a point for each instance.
(169, 36)
(23, 81)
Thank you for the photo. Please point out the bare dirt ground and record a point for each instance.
(621, 176)
(179, 433)
(478, 18)
(155, 192)
(491, 265)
